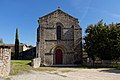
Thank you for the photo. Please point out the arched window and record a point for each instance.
(58, 32)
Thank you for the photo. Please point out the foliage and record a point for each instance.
(16, 45)
(103, 41)
(1, 41)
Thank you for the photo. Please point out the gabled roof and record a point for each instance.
(12, 45)
(58, 10)
(4, 46)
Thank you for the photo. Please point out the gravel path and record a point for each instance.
(70, 74)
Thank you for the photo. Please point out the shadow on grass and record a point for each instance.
(82, 66)
(111, 71)
(29, 64)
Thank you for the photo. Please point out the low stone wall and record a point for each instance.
(5, 56)
(97, 63)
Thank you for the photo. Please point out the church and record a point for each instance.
(59, 39)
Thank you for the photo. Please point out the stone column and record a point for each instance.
(5, 61)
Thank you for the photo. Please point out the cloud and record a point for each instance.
(81, 5)
(76, 3)
(114, 15)
(105, 12)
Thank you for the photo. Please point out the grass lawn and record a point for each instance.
(20, 66)
(116, 66)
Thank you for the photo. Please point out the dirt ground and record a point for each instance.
(70, 74)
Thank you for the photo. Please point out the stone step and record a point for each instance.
(65, 65)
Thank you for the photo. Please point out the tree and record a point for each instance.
(16, 45)
(1, 41)
(103, 41)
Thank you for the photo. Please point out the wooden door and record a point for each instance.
(59, 56)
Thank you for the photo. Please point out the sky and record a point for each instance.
(24, 14)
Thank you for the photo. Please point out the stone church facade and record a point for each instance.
(59, 39)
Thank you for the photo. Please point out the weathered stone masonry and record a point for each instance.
(5, 56)
(59, 46)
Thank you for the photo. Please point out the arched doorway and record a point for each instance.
(58, 56)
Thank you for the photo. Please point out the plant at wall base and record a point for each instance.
(16, 45)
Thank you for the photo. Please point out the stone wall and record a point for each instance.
(78, 44)
(5, 56)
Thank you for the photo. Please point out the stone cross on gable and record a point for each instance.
(58, 7)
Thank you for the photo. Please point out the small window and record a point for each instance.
(58, 32)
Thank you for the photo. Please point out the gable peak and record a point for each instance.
(59, 11)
